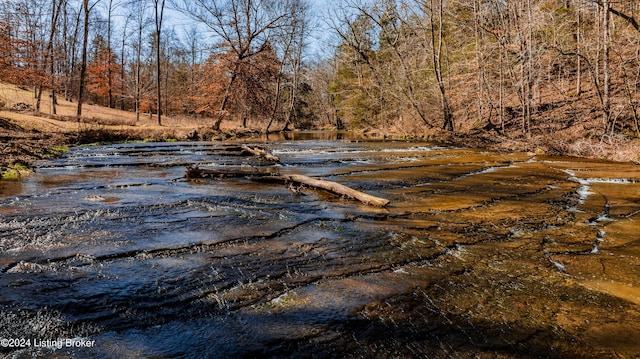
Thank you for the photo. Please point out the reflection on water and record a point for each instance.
(10, 187)
(478, 252)
(313, 135)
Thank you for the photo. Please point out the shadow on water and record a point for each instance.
(479, 254)
(349, 339)
(11, 188)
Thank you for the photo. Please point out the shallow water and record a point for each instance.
(479, 253)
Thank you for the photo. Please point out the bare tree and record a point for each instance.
(122, 61)
(356, 55)
(291, 38)
(110, 7)
(578, 44)
(478, 57)
(287, 36)
(437, 43)
(385, 17)
(606, 39)
(159, 14)
(83, 67)
(297, 70)
(193, 39)
(530, 75)
(139, 8)
(70, 42)
(628, 16)
(48, 56)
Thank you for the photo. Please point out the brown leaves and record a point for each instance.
(253, 88)
(103, 72)
(19, 61)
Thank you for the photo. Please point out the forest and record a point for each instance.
(557, 75)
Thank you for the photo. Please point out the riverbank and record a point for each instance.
(27, 138)
(21, 147)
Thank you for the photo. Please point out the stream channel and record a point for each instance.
(110, 252)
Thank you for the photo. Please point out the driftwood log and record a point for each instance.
(337, 188)
(194, 172)
(259, 152)
(271, 175)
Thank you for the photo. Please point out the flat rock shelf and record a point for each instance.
(477, 254)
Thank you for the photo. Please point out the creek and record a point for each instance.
(110, 252)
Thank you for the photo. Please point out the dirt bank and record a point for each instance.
(26, 138)
(21, 147)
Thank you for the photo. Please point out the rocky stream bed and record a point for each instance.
(479, 254)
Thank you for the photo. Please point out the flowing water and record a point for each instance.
(109, 252)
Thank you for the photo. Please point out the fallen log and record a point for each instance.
(221, 172)
(271, 175)
(338, 188)
(259, 152)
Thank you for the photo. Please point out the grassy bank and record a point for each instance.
(27, 137)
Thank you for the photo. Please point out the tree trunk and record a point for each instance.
(71, 61)
(529, 98)
(606, 66)
(501, 86)
(479, 64)
(294, 85)
(54, 100)
(122, 63)
(83, 66)
(578, 40)
(276, 102)
(138, 67)
(447, 113)
(48, 55)
(159, 14)
(225, 99)
(109, 69)
(65, 51)
(338, 189)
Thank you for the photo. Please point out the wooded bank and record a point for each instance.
(558, 75)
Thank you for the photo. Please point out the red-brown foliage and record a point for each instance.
(103, 73)
(18, 59)
(252, 90)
